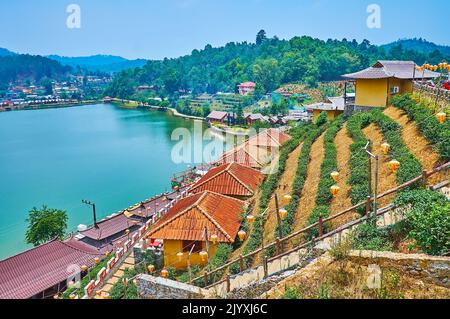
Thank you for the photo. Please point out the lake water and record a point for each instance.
(112, 156)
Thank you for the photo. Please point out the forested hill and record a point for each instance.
(30, 67)
(269, 62)
(419, 45)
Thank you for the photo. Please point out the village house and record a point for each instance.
(246, 88)
(251, 118)
(217, 117)
(185, 227)
(378, 84)
(42, 272)
(231, 179)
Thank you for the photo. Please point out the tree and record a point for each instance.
(45, 224)
(260, 37)
(267, 73)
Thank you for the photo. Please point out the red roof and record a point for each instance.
(247, 84)
(230, 179)
(108, 227)
(33, 271)
(187, 219)
(217, 115)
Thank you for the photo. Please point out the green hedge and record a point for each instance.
(410, 167)
(436, 133)
(329, 164)
(267, 188)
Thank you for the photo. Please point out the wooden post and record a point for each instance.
(370, 169)
(424, 177)
(228, 283)
(266, 267)
(320, 227)
(280, 230)
(278, 246)
(206, 279)
(241, 263)
(368, 202)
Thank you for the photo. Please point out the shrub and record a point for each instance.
(368, 237)
(118, 289)
(292, 293)
(428, 219)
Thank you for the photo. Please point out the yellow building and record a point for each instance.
(377, 85)
(334, 107)
(185, 226)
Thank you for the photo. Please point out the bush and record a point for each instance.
(368, 237)
(428, 220)
(436, 133)
(292, 293)
(118, 289)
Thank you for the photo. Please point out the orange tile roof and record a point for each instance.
(187, 219)
(230, 179)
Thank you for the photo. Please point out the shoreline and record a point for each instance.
(53, 106)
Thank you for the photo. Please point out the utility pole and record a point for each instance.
(376, 158)
(280, 231)
(207, 242)
(93, 210)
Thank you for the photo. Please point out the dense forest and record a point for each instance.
(30, 67)
(268, 62)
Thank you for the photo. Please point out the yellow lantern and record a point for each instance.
(56, 296)
(334, 190)
(251, 219)
(180, 256)
(283, 213)
(287, 197)
(394, 165)
(385, 147)
(127, 231)
(203, 256)
(134, 222)
(106, 295)
(164, 273)
(335, 175)
(242, 235)
(214, 238)
(441, 116)
(107, 253)
(97, 260)
(72, 296)
(84, 268)
(151, 268)
(98, 293)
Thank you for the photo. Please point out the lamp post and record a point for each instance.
(371, 155)
(93, 210)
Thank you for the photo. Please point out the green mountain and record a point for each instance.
(24, 67)
(269, 62)
(102, 63)
(5, 52)
(419, 45)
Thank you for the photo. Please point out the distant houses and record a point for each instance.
(246, 88)
(217, 117)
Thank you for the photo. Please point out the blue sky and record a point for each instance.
(169, 28)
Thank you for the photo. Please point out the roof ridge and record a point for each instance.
(212, 220)
(30, 249)
(240, 181)
(79, 249)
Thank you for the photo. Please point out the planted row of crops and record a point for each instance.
(329, 164)
(436, 133)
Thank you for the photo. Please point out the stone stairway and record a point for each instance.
(128, 263)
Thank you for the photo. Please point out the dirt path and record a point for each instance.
(417, 144)
(386, 179)
(284, 187)
(342, 200)
(308, 198)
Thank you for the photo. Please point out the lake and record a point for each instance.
(112, 156)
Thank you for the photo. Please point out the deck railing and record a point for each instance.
(278, 243)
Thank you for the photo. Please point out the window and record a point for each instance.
(187, 245)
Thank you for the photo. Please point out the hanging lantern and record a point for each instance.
(287, 197)
(127, 231)
(441, 116)
(203, 256)
(56, 297)
(214, 238)
(335, 175)
(151, 268)
(97, 260)
(84, 268)
(394, 165)
(134, 222)
(72, 296)
(334, 190)
(385, 147)
(242, 235)
(283, 213)
(98, 293)
(251, 219)
(180, 256)
(164, 273)
(107, 253)
(106, 295)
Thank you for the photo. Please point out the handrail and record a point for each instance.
(303, 230)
